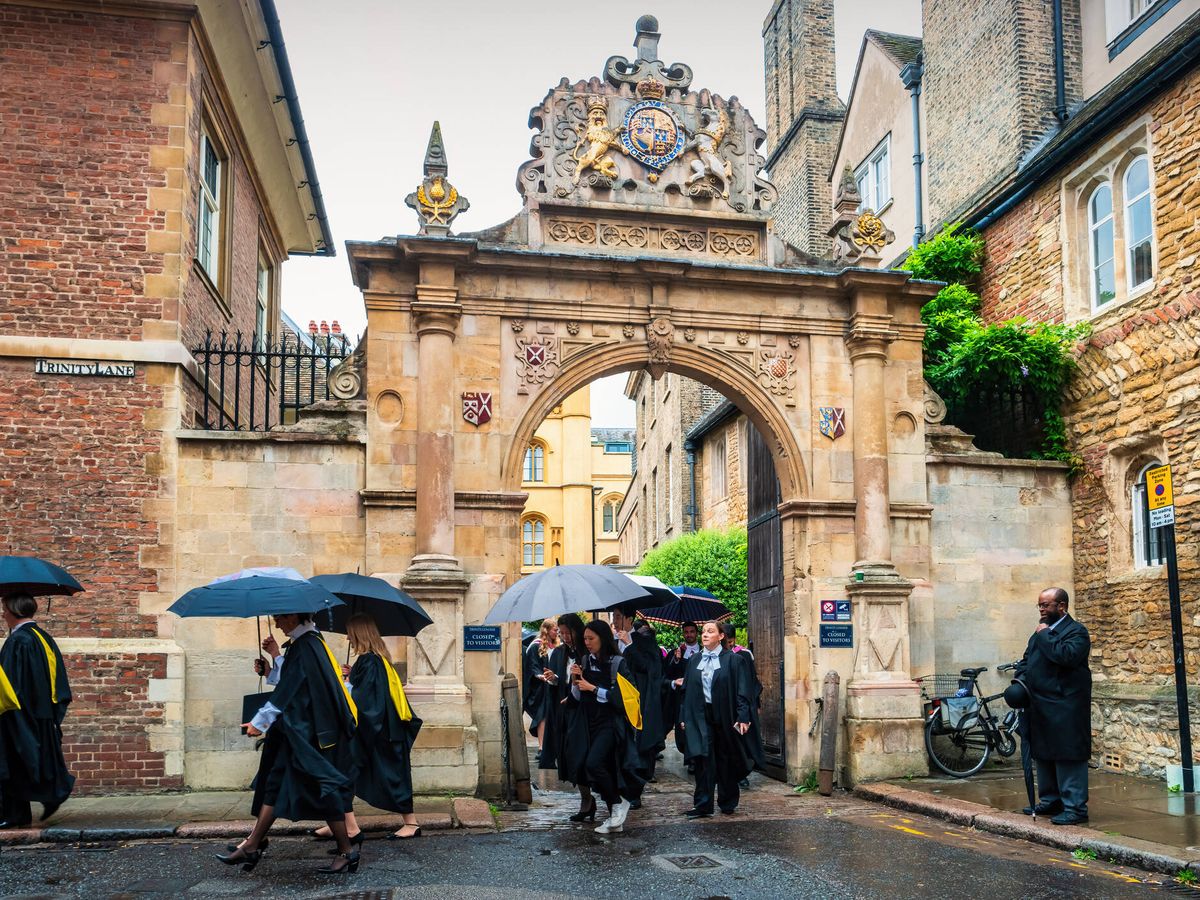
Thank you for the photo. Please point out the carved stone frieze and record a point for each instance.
(719, 242)
(777, 371)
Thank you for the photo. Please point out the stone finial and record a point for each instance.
(437, 202)
(647, 65)
(859, 235)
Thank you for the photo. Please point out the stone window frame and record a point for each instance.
(216, 273)
(610, 501)
(1147, 546)
(1126, 461)
(668, 517)
(1108, 164)
(529, 465)
(532, 541)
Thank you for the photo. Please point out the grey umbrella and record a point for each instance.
(564, 589)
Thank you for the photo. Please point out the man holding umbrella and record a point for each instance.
(31, 736)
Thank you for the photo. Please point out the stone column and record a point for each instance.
(435, 320)
(446, 754)
(883, 708)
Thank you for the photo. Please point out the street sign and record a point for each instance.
(837, 636)
(1160, 497)
(843, 610)
(828, 610)
(481, 638)
(1160, 508)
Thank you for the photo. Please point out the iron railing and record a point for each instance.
(1006, 421)
(251, 383)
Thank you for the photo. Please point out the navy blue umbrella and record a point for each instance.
(395, 612)
(30, 575)
(684, 590)
(258, 595)
(688, 608)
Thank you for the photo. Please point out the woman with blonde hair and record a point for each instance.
(387, 729)
(537, 664)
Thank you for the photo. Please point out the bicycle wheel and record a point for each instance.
(957, 753)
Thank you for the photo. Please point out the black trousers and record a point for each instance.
(715, 771)
(15, 809)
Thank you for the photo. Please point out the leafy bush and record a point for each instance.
(949, 318)
(713, 560)
(954, 256)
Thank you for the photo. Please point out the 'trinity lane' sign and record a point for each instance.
(103, 368)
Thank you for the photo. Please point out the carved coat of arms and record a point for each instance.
(652, 134)
(831, 421)
(477, 407)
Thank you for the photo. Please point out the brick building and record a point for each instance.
(149, 191)
(1079, 173)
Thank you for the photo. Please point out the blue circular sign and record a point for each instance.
(652, 135)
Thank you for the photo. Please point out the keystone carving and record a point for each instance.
(660, 334)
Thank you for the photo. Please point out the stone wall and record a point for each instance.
(1131, 403)
(252, 500)
(1001, 533)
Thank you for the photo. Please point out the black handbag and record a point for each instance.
(252, 703)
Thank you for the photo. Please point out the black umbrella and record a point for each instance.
(564, 589)
(258, 595)
(395, 612)
(30, 575)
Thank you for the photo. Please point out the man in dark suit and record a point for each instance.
(1056, 674)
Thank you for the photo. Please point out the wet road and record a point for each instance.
(828, 851)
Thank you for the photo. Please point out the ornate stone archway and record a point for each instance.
(644, 241)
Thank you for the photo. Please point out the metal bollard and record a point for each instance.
(518, 755)
(829, 730)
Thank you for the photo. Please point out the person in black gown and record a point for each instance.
(537, 694)
(715, 718)
(31, 737)
(386, 731)
(307, 766)
(743, 654)
(641, 652)
(602, 686)
(566, 744)
(675, 665)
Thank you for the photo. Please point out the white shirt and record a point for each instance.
(265, 717)
(690, 650)
(709, 664)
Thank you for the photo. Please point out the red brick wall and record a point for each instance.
(75, 132)
(76, 463)
(104, 735)
(1022, 272)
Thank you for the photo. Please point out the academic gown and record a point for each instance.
(1056, 674)
(383, 741)
(626, 761)
(672, 705)
(755, 735)
(32, 735)
(732, 695)
(307, 767)
(535, 688)
(645, 666)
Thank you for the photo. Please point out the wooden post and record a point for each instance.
(518, 755)
(829, 730)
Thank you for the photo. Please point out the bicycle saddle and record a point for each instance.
(972, 673)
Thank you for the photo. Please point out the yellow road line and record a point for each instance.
(909, 830)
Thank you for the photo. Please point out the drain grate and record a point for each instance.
(689, 863)
(364, 895)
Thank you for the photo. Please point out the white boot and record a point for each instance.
(619, 814)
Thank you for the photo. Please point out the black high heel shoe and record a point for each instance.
(585, 815)
(248, 859)
(355, 842)
(233, 845)
(352, 859)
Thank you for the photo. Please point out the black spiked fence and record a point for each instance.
(254, 382)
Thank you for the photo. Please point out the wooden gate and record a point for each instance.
(766, 627)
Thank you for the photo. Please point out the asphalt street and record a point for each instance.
(858, 852)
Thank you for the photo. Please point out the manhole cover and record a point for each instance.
(692, 862)
(363, 895)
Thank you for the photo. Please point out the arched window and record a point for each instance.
(1100, 227)
(535, 463)
(610, 515)
(533, 542)
(1138, 223)
(1147, 542)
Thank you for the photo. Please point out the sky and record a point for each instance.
(373, 75)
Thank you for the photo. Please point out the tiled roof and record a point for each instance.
(901, 48)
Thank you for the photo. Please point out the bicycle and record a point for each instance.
(961, 733)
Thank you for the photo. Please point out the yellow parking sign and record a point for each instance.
(1160, 499)
(1158, 488)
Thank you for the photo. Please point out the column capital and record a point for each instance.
(435, 318)
(869, 336)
